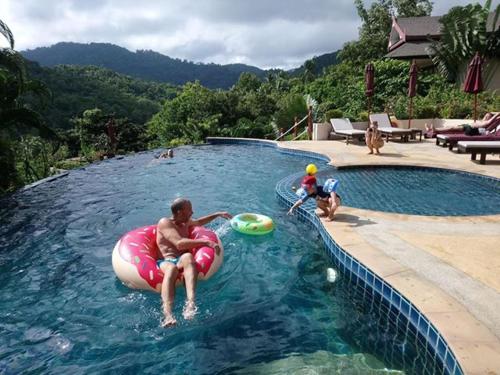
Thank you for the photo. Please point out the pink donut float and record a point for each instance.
(135, 255)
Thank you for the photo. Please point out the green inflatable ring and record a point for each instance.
(254, 224)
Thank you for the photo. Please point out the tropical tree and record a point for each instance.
(13, 84)
(15, 118)
(465, 31)
(309, 68)
(290, 107)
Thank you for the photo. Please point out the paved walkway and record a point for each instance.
(449, 267)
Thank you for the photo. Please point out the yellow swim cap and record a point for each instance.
(311, 169)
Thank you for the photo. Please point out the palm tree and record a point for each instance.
(15, 118)
(13, 84)
(465, 31)
(5, 31)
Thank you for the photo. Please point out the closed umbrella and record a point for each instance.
(369, 86)
(111, 131)
(473, 81)
(412, 89)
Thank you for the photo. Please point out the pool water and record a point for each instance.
(417, 191)
(269, 309)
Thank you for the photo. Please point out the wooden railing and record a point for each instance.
(295, 127)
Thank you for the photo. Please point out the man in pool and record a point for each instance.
(326, 196)
(172, 239)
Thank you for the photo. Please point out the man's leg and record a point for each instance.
(170, 273)
(190, 277)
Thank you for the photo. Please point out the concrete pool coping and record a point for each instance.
(443, 274)
(470, 330)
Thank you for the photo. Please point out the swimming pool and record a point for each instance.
(270, 306)
(417, 190)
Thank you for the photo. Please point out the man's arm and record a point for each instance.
(207, 219)
(170, 232)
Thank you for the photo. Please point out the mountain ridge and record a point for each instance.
(152, 65)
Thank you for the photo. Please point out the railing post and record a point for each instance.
(295, 126)
(280, 138)
(310, 122)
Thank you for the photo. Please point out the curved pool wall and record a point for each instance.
(417, 190)
(399, 311)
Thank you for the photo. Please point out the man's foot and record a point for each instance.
(322, 214)
(168, 321)
(330, 218)
(190, 310)
(371, 152)
(378, 153)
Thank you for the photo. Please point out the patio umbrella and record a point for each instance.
(412, 89)
(369, 86)
(473, 80)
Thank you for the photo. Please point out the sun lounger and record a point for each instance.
(384, 126)
(343, 128)
(481, 147)
(451, 140)
(441, 134)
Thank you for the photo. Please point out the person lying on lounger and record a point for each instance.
(489, 120)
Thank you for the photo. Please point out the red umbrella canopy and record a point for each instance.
(473, 81)
(369, 76)
(412, 86)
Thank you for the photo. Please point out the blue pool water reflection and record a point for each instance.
(269, 308)
(417, 191)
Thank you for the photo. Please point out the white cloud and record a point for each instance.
(265, 33)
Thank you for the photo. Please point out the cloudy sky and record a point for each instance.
(264, 33)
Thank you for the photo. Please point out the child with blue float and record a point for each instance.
(326, 195)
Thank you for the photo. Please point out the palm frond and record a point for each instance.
(464, 32)
(13, 62)
(39, 89)
(5, 31)
(19, 118)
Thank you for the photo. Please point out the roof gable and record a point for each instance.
(420, 27)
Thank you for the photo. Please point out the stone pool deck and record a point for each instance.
(448, 267)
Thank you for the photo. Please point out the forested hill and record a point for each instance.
(78, 88)
(154, 66)
(319, 63)
(148, 65)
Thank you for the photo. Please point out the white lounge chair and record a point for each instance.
(344, 128)
(479, 147)
(385, 127)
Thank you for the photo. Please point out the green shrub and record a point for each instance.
(333, 113)
(362, 116)
(70, 163)
(178, 142)
(10, 179)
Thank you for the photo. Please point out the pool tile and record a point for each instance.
(406, 318)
